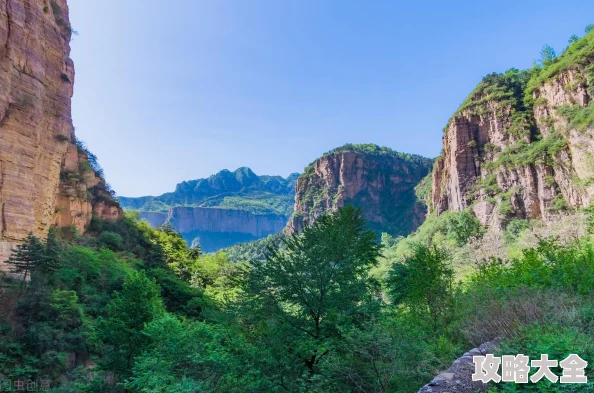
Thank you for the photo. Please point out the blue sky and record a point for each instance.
(178, 90)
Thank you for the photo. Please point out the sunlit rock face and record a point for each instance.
(378, 180)
(44, 180)
(504, 168)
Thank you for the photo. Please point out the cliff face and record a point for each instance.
(380, 181)
(190, 219)
(215, 228)
(37, 142)
(522, 145)
(222, 210)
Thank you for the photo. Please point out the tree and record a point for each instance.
(174, 249)
(547, 55)
(51, 259)
(129, 311)
(26, 257)
(461, 226)
(195, 251)
(189, 356)
(214, 274)
(319, 284)
(424, 283)
(572, 39)
(589, 28)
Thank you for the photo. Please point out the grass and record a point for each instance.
(580, 118)
(577, 57)
(540, 151)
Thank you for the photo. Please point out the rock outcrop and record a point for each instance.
(190, 219)
(44, 179)
(522, 145)
(222, 210)
(380, 181)
(458, 378)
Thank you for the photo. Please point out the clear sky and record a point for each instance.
(176, 90)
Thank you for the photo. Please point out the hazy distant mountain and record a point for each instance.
(224, 209)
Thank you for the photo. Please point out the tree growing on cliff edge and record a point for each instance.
(547, 55)
(35, 260)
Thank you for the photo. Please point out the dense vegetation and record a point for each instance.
(256, 250)
(129, 308)
(238, 190)
(133, 309)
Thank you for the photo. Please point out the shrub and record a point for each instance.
(462, 226)
(514, 228)
(111, 240)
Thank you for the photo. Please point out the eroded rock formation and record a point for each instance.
(519, 147)
(44, 177)
(190, 219)
(380, 181)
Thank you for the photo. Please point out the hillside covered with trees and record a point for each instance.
(496, 243)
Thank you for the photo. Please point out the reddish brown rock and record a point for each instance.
(478, 137)
(37, 142)
(382, 184)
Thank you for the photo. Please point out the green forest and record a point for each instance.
(334, 308)
(128, 308)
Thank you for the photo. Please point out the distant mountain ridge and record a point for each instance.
(260, 194)
(222, 209)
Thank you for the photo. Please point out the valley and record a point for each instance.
(372, 270)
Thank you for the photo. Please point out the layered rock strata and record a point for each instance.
(380, 181)
(43, 174)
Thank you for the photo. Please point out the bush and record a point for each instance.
(514, 228)
(462, 226)
(111, 240)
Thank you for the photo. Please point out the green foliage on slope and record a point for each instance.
(163, 317)
(255, 250)
(577, 56)
(507, 89)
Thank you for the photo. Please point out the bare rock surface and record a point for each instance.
(42, 181)
(458, 378)
(190, 219)
(475, 170)
(383, 185)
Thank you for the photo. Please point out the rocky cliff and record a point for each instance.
(224, 209)
(379, 180)
(190, 219)
(45, 178)
(522, 144)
